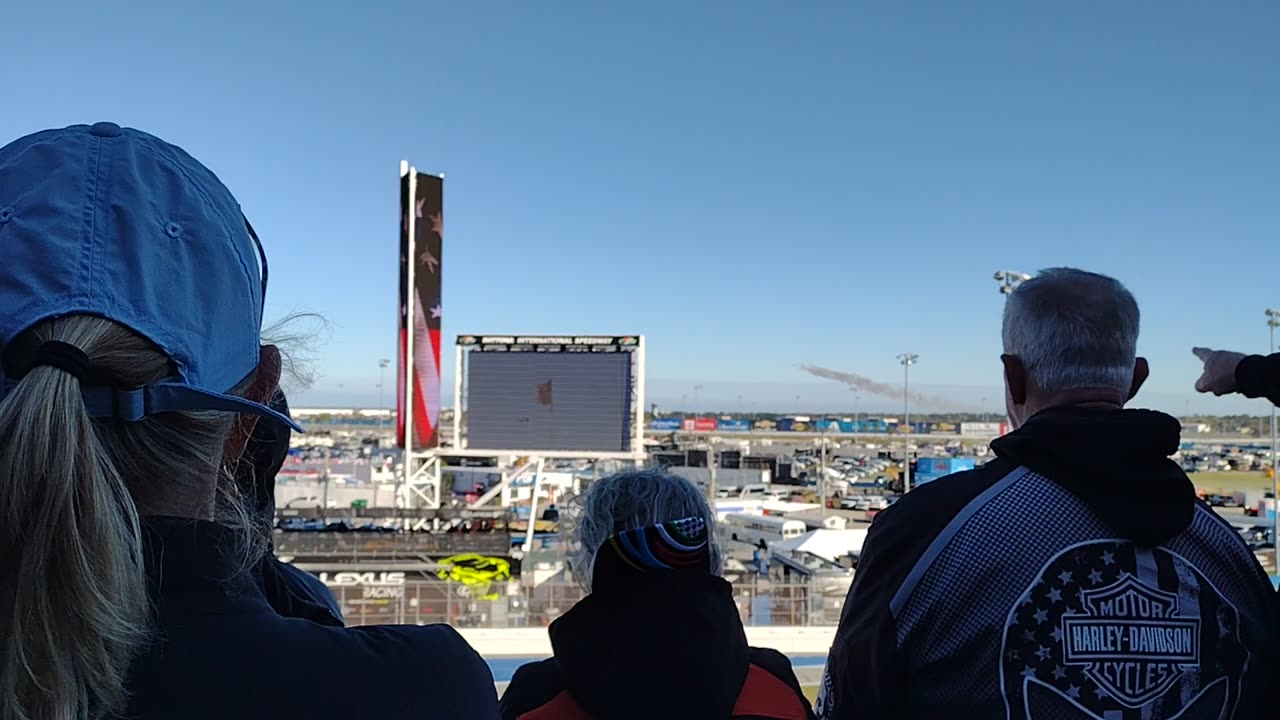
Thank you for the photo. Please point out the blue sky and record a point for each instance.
(751, 185)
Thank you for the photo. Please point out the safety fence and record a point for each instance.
(382, 600)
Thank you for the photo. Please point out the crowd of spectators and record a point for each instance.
(1076, 575)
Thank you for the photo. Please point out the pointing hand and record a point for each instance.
(1219, 375)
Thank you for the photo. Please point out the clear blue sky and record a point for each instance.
(750, 185)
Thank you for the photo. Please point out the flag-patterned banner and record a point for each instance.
(544, 393)
(427, 210)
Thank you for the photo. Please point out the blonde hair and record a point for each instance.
(74, 608)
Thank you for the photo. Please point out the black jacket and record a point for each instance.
(221, 651)
(1259, 376)
(661, 646)
(1074, 576)
(296, 593)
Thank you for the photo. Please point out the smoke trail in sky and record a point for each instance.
(874, 387)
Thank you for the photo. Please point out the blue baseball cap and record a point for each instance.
(113, 222)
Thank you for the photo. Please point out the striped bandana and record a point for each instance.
(673, 546)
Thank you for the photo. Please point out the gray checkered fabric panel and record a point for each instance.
(1034, 609)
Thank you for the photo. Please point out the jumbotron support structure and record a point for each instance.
(522, 401)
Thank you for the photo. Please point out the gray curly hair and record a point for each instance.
(627, 501)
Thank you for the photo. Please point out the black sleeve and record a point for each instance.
(1259, 376)
(867, 676)
(531, 687)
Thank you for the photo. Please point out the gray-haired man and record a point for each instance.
(1074, 576)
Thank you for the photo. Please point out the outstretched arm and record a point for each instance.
(1227, 372)
(1259, 376)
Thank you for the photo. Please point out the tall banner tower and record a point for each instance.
(421, 242)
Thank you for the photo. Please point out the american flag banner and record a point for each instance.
(544, 393)
(421, 240)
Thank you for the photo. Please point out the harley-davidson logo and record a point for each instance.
(1130, 640)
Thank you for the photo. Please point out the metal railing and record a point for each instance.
(508, 604)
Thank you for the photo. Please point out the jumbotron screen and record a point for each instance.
(563, 394)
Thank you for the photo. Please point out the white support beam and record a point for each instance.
(423, 477)
(548, 454)
(508, 477)
(533, 506)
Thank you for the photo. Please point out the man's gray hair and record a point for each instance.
(1073, 329)
(627, 501)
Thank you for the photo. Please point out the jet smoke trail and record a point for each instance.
(876, 388)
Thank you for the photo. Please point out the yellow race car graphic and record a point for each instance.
(476, 572)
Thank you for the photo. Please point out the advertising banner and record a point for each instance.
(705, 425)
(932, 468)
(735, 425)
(550, 344)
(928, 470)
(982, 429)
(666, 424)
(421, 242)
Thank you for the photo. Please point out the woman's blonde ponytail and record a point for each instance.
(74, 608)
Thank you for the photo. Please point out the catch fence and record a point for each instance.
(797, 602)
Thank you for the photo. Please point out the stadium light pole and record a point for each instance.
(1273, 322)
(907, 360)
(382, 389)
(713, 489)
(1010, 280)
(822, 474)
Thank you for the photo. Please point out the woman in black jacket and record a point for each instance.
(659, 635)
(131, 297)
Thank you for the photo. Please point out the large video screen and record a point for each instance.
(550, 400)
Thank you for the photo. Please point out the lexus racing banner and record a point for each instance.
(421, 239)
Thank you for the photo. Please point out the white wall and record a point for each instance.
(534, 642)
